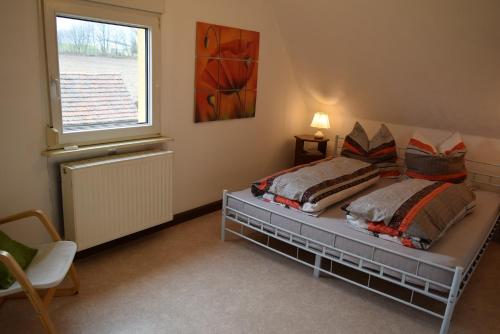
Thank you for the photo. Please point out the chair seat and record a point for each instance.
(49, 266)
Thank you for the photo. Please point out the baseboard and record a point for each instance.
(178, 218)
(196, 212)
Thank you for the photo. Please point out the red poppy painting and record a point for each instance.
(226, 72)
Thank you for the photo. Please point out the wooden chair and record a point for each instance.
(47, 270)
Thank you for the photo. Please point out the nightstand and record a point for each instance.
(303, 156)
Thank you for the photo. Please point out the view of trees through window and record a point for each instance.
(103, 74)
(96, 39)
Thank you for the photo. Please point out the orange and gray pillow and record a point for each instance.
(445, 162)
(380, 150)
(414, 212)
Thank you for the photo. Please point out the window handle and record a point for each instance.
(55, 88)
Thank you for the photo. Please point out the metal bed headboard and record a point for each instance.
(480, 173)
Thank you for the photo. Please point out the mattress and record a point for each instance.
(457, 247)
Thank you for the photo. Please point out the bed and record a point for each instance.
(428, 280)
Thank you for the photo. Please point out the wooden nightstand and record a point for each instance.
(303, 156)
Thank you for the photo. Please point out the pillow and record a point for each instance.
(414, 212)
(21, 253)
(443, 163)
(380, 150)
(313, 187)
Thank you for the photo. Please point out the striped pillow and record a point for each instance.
(380, 150)
(443, 163)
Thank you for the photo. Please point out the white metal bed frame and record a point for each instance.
(446, 294)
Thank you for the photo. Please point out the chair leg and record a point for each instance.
(48, 296)
(47, 323)
(40, 305)
(76, 284)
(32, 294)
(41, 311)
(74, 278)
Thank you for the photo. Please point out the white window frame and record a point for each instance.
(56, 138)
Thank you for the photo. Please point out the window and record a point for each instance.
(103, 70)
(102, 74)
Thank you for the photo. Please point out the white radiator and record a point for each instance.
(107, 198)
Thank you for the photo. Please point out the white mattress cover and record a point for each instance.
(457, 247)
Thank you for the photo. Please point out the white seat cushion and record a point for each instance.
(49, 266)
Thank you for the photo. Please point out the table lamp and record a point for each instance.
(320, 121)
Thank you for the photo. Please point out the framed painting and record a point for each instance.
(226, 72)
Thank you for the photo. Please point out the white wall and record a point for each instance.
(208, 156)
(23, 170)
(426, 63)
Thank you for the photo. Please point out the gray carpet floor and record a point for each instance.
(185, 280)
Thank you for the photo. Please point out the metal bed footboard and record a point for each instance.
(446, 294)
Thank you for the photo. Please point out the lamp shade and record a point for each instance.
(320, 121)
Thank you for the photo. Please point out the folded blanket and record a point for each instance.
(313, 187)
(414, 212)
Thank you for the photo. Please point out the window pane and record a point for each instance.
(103, 74)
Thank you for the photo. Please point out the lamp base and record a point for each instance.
(319, 135)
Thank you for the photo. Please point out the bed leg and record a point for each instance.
(336, 146)
(223, 217)
(452, 300)
(317, 264)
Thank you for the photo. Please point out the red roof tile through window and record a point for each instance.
(95, 99)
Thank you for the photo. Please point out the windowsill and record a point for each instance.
(105, 147)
